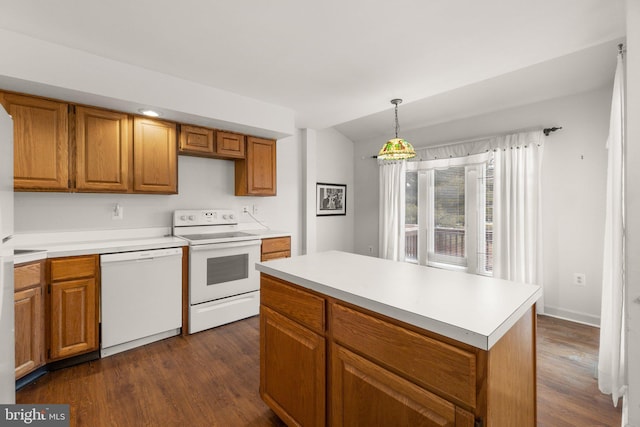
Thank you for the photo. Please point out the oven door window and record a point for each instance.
(227, 269)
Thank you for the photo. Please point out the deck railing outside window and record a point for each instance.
(448, 241)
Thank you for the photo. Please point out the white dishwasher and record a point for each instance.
(141, 298)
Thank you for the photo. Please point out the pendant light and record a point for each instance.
(396, 148)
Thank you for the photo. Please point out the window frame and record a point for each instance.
(475, 212)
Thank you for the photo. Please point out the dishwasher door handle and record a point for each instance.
(140, 255)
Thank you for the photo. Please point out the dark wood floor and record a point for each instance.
(211, 379)
(568, 392)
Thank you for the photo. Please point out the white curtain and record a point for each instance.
(517, 218)
(392, 209)
(611, 360)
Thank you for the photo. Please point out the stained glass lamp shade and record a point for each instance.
(396, 148)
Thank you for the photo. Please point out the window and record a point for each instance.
(448, 220)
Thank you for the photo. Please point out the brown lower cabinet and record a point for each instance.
(73, 306)
(29, 317)
(56, 310)
(327, 362)
(293, 373)
(275, 248)
(368, 394)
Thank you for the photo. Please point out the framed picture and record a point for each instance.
(331, 199)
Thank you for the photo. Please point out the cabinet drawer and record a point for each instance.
(73, 267)
(303, 307)
(448, 370)
(276, 244)
(275, 255)
(28, 275)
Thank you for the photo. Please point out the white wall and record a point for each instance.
(334, 165)
(327, 156)
(42, 68)
(202, 183)
(633, 209)
(574, 168)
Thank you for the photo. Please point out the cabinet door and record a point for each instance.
(292, 370)
(256, 175)
(196, 141)
(74, 321)
(29, 330)
(40, 142)
(366, 394)
(154, 156)
(229, 145)
(103, 150)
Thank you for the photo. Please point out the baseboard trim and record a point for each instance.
(573, 316)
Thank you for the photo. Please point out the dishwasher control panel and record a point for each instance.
(182, 218)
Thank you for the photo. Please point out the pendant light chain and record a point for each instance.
(397, 123)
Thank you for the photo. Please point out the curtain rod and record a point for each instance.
(546, 132)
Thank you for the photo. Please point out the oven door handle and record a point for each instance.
(226, 245)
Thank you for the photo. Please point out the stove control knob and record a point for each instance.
(232, 216)
(192, 217)
(225, 217)
(183, 217)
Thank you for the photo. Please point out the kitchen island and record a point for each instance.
(353, 340)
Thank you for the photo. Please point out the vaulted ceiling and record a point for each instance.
(339, 62)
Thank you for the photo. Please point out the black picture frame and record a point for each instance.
(331, 199)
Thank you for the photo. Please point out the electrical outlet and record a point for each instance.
(579, 279)
(370, 249)
(117, 212)
(245, 209)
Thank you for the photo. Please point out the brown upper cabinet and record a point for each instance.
(65, 147)
(41, 143)
(155, 156)
(230, 145)
(256, 174)
(103, 150)
(205, 142)
(196, 141)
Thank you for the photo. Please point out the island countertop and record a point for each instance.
(472, 309)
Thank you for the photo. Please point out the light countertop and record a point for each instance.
(469, 308)
(61, 244)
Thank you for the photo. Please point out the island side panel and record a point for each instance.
(511, 371)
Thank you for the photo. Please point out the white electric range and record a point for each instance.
(224, 285)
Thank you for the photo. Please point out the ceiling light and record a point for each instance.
(396, 148)
(149, 113)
